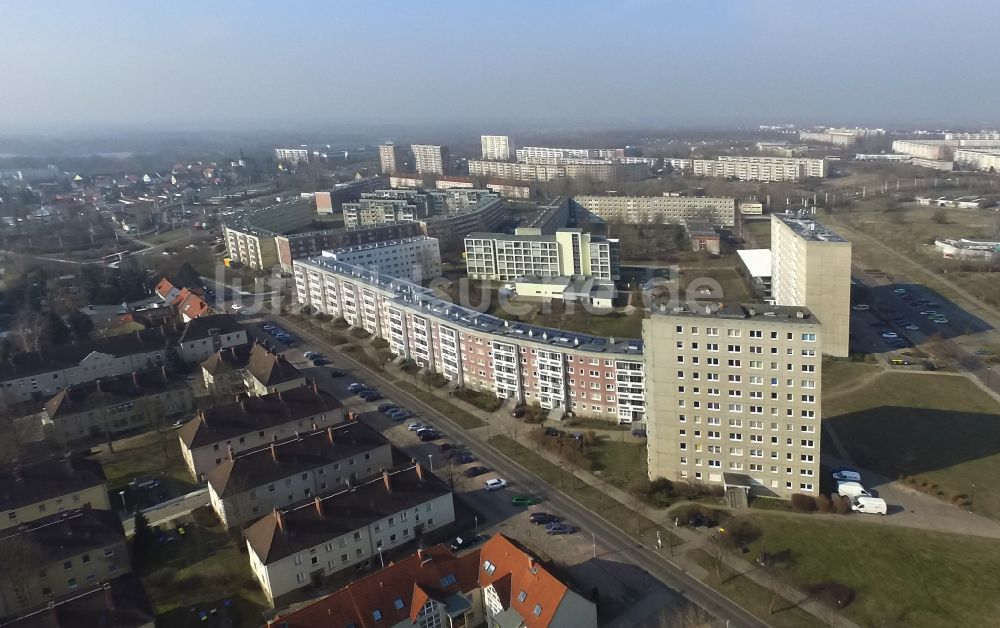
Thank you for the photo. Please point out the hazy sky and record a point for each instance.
(504, 63)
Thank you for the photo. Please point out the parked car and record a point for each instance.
(523, 500)
(543, 518)
(465, 457)
(845, 474)
(320, 362)
(370, 395)
(465, 542)
(356, 386)
(310, 355)
(870, 505)
(852, 490)
(428, 436)
(337, 372)
(559, 527)
(415, 426)
(495, 484)
(472, 472)
(639, 432)
(551, 431)
(385, 407)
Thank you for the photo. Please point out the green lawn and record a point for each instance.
(621, 516)
(201, 571)
(168, 236)
(618, 462)
(457, 415)
(152, 453)
(941, 429)
(902, 578)
(733, 288)
(751, 595)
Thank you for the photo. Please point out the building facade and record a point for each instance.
(659, 209)
(302, 544)
(811, 267)
(252, 483)
(429, 158)
(735, 392)
(935, 150)
(414, 259)
(987, 160)
(36, 490)
(559, 371)
(503, 257)
(767, 169)
(387, 159)
(291, 155)
(495, 147)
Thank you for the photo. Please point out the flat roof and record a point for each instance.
(757, 261)
(807, 228)
(785, 313)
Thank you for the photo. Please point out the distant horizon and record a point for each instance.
(116, 67)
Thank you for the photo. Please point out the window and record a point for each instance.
(489, 567)
(537, 611)
(809, 337)
(377, 615)
(67, 565)
(521, 596)
(398, 603)
(85, 559)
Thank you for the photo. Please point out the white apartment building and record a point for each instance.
(987, 160)
(558, 370)
(414, 259)
(811, 267)
(734, 397)
(297, 546)
(987, 136)
(659, 209)
(599, 170)
(504, 257)
(495, 147)
(768, 169)
(388, 161)
(252, 483)
(385, 207)
(429, 158)
(291, 155)
(935, 150)
(544, 152)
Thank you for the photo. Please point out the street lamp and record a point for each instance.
(381, 560)
(430, 460)
(124, 506)
(476, 518)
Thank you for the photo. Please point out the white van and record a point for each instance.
(852, 490)
(870, 505)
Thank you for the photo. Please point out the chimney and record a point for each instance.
(135, 379)
(279, 396)
(420, 471)
(281, 520)
(274, 452)
(315, 388)
(314, 425)
(232, 454)
(163, 371)
(243, 406)
(329, 434)
(97, 383)
(387, 480)
(531, 563)
(109, 599)
(319, 506)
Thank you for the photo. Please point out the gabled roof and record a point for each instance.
(394, 591)
(252, 414)
(316, 521)
(291, 456)
(511, 570)
(110, 391)
(192, 306)
(208, 326)
(164, 288)
(22, 485)
(57, 537)
(227, 360)
(121, 603)
(271, 369)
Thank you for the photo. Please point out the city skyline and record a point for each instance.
(669, 64)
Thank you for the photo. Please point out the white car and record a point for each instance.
(237, 307)
(495, 484)
(847, 475)
(416, 425)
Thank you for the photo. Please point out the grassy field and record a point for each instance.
(618, 462)
(462, 419)
(751, 595)
(842, 374)
(200, 571)
(624, 518)
(902, 578)
(733, 288)
(168, 236)
(940, 429)
(758, 233)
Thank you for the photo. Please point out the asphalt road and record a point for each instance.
(610, 541)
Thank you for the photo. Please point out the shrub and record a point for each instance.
(803, 503)
(841, 504)
(832, 593)
(380, 343)
(823, 503)
(739, 533)
(589, 438)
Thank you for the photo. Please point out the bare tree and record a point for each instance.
(21, 558)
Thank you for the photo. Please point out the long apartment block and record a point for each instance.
(760, 168)
(659, 209)
(567, 252)
(568, 371)
(734, 393)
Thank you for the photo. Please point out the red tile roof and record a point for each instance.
(164, 287)
(518, 571)
(411, 581)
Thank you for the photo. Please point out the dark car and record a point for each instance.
(385, 407)
(446, 446)
(428, 436)
(551, 431)
(465, 457)
(559, 528)
(472, 472)
(370, 395)
(639, 432)
(465, 542)
(543, 518)
(320, 362)
(337, 372)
